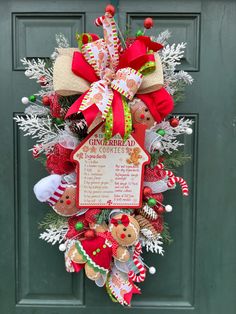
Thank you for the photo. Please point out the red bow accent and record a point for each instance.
(124, 221)
(114, 78)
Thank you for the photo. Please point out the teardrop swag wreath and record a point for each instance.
(102, 131)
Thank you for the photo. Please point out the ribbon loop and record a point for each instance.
(127, 82)
(97, 55)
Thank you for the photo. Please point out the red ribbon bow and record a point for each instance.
(113, 78)
(124, 221)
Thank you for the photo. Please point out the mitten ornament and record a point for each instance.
(152, 107)
(58, 194)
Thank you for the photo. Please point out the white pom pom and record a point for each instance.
(62, 247)
(157, 145)
(28, 73)
(168, 208)
(189, 131)
(25, 100)
(152, 270)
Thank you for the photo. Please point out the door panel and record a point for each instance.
(198, 272)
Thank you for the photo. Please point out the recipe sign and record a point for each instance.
(110, 173)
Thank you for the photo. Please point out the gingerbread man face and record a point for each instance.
(124, 229)
(141, 114)
(65, 206)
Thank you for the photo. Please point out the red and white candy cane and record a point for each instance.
(168, 173)
(142, 270)
(182, 183)
(99, 20)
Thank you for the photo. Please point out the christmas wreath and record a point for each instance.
(103, 132)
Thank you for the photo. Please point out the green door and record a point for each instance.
(198, 272)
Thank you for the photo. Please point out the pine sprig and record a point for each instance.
(103, 216)
(52, 220)
(154, 159)
(166, 236)
(66, 101)
(42, 160)
(175, 160)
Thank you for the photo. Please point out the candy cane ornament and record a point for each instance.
(99, 21)
(142, 270)
(182, 183)
(168, 173)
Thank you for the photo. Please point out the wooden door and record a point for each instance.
(198, 272)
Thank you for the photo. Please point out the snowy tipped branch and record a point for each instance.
(54, 235)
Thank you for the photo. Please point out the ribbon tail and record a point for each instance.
(118, 120)
(75, 107)
(89, 113)
(111, 39)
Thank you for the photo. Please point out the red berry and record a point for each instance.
(35, 151)
(158, 197)
(148, 23)
(110, 9)
(89, 234)
(160, 210)
(161, 159)
(174, 122)
(42, 81)
(45, 101)
(147, 191)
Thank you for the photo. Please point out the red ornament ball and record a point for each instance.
(161, 159)
(174, 122)
(89, 234)
(147, 191)
(46, 101)
(110, 9)
(148, 23)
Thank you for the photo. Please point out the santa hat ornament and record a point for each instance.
(159, 103)
(50, 189)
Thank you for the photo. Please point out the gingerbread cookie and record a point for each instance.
(58, 194)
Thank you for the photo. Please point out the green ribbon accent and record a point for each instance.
(148, 68)
(128, 119)
(109, 124)
(110, 119)
(112, 297)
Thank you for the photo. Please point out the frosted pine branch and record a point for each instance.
(36, 127)
(171, 56)
(147, 233)
(169, 143)
(153, 245)
(36, 69)
(62, 41)
(162, 37)
(54, 235)
(37, 110)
